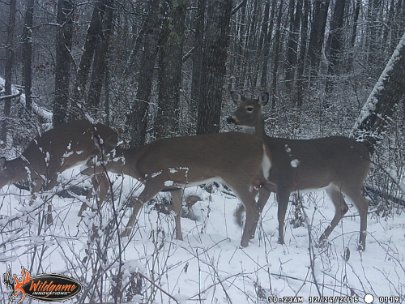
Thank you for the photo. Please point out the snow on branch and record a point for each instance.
(18, 92)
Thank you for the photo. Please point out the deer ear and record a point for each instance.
(236, 97)
(2, 162)
(264, 98)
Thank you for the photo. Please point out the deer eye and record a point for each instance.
(249, 109)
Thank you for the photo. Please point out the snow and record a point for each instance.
(208, 266)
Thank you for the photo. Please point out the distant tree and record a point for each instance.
(276, 52)
(302, 62)
(27, 52)
(198, 20)
(138, 116)
(317, 34)
(389, 90)
(63, 60)
(335, 43)
(267, 46)
(100, 59)
(292, 44)
(170, 63)
(93, 36)
(213, 72)
(8, 68)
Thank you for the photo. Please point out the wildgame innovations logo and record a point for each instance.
(44, 287)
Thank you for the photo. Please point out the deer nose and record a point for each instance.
(231, 119)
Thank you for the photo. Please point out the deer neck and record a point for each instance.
(259, 128)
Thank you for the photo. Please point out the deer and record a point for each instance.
(240, 161)
(336, 163)
(57, 150)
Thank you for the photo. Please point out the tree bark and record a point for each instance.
(170, 63)
(8, 71)
(292, 46)
(63, 60)
(100, 59)
(197, 63)
(276, 59)
(138, 118)
(317, 34)
(93, 36)
(303, 55)
(27, 53)
(267, 46)
(213, 73)
(389, 90)
(335, 44)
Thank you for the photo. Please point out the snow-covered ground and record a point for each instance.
(208, 266)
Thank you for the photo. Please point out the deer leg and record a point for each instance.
(252, 214)
(177, 196)
(340, 210)
(362, 206)
(282, 198)
(264, 195)
(152, 187)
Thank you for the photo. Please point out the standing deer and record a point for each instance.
(238, 160)
(56, 150)
(338, 163)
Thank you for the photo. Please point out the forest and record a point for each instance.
(158, 69)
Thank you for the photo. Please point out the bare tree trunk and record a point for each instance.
(303, 55)
(8, 69)
(213, 73)
(170, 63)
(197, 63)
(93, 36)
(63, 59)
(100, 60)
(381, 104)
(267, 46)
(354, 32)
(276, 51)
(335, 44)
(27, 53)
(138, 118)
(317, 34)
(292, 46)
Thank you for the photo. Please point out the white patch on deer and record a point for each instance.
(69, 146)
(67, 154)
(294, 163)
(266, 163)
(47, 158)
(153, 175)
(168, 183)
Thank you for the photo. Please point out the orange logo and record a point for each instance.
(45, 287)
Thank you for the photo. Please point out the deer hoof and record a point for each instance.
(361, 247)
(244, 244)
